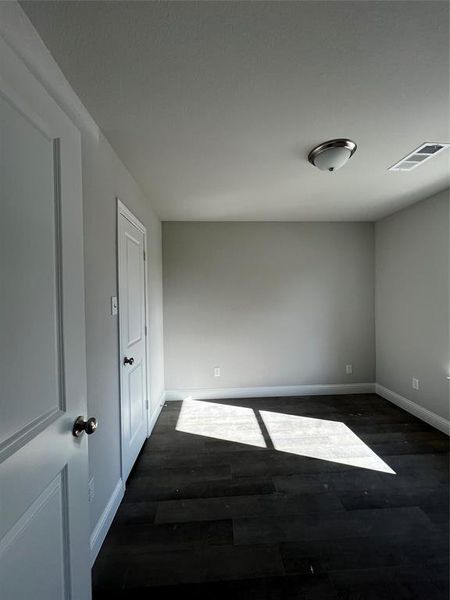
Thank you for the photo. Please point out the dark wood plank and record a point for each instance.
(372, 552)
(235, 507)
(332, 526)
(139, 538)
(159, 490)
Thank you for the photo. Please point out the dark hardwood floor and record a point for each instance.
(343, 497)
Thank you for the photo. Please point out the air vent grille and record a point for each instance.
(419, 156)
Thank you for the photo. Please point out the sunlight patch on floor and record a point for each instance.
(318, 438)
(304, 436)
(220, 421)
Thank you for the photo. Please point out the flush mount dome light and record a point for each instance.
(332, 155)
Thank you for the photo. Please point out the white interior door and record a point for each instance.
(132, 322)
(44, 519)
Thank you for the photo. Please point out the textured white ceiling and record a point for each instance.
(213, 106)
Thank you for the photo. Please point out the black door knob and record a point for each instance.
(128, 361)
(83, 425)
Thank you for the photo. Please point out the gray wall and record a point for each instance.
(269, 303)
(104, 178)
(412, 303)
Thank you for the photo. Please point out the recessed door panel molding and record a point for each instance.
(134, 276)
(131, 236)
(44, 512)
(31, 293)
(136, 389)
(47, 570)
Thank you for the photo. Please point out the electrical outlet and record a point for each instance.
(415, 383)
(91, 489)
(216, 371)
(349, 369)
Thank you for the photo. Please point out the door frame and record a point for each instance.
(124, 211)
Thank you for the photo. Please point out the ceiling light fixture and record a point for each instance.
(332, 155)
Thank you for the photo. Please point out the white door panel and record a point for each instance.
(28, 274)
(132, 317)
(44, 517)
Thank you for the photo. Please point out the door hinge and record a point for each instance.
(144, 255)
(145, 329)
(146, 404)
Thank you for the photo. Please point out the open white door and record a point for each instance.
(132, 322)
(44, 518)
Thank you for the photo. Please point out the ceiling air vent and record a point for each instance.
(419, 156)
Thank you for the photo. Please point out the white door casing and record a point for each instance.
(132, 239)
(44, 513)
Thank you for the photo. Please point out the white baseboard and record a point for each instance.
(313, 390)
(415, 409)
(274, 391)
(156, 413)
(106, 518)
